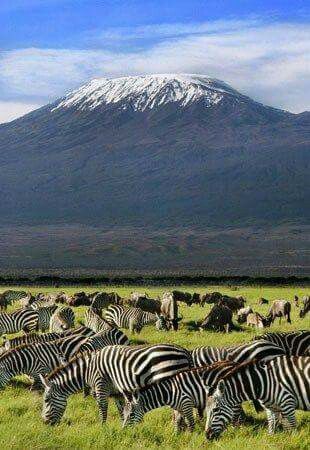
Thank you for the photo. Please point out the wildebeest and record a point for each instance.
(218, 319)
(146, 304)
(243, 313)
(256, 320)
(169, 309)
(306, 306)
(280, 308)
(233, 303)
(184, 297)
(263, 301)
(79, 299)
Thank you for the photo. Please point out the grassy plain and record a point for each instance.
(20, 422)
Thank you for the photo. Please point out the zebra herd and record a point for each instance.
(97, 358)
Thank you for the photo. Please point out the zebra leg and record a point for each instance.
(187, 412)
(119, 402)
(288, 418)
(178, 421)
(272, 420)
(102, 394)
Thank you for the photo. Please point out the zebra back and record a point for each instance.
(95, 322)
(294, 343)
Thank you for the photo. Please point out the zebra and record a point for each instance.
(133, 318)
(33, 338)
(282, 385)
(109, 372)
(32, 360)
(295, 343)
(260, 349)
(20, 320)
(95, 322)
(105, 338)
(183, 392)
(62, 319)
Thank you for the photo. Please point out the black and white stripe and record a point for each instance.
(95, 322)
(294, 343)
(262, 350)
(281, 385)
(62, 319)
(133, 319)
(111, 371)
(25, 320)
(183, 392)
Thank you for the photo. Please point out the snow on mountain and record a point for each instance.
(149, 91)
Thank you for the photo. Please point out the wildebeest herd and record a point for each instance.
(97, 358)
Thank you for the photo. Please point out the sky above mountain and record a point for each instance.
(261, 48)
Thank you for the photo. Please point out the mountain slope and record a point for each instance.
(160, 152)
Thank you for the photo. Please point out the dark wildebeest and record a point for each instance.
(280, 308)
(184, 297)
(218, 319)
(79, 299)
(169, 309)
(147, 304)
(296, 301)
(306, 306)
(257, 320)
(243, 313)
(263, 301)
(233, 303)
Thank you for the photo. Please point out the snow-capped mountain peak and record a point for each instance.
(149, 91)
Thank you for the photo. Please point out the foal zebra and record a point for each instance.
(260, 349)
(294, 343)
(281, 385)
(133, 319)
(109, 372)
(183, 392)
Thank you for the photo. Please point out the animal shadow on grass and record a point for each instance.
(192, 325)
(138, 342)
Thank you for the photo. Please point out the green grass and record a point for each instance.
(21, 426)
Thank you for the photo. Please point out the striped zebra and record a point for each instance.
(33, 338)
(95, 322)
(25, 320)
(62, 319)
(294, 343)
(183, 392)
(32, 360)
(260, 349)
(281, 385)
(133, 319)
(109, 372)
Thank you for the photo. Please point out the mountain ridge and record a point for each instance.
(236, 163)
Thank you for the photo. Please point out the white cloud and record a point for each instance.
(11, 110)
(269, 62)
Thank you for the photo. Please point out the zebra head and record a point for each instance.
(54, 403)
(219, 412)
(162, 323)
(133, 411)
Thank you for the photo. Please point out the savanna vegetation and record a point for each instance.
(21, 426)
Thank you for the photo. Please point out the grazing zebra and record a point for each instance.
(183, 392)
(95, 322)
(42, 302)
(294, 343)
(262, 350)
(133, 319)
(33, 338)
(281, 385)
(62, 319)
(20, 320)
(32, 360)
(103, 339)
(111, 371)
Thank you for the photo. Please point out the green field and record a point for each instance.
(21, 426)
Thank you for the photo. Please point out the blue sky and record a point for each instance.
(51, 46)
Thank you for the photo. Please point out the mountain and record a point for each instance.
(151, 169)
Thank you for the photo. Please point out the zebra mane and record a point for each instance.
(243, 365)
(15, 349)
(85, 354)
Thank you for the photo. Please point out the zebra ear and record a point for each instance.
(62, 359)
(6, 343)
(44, 381)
